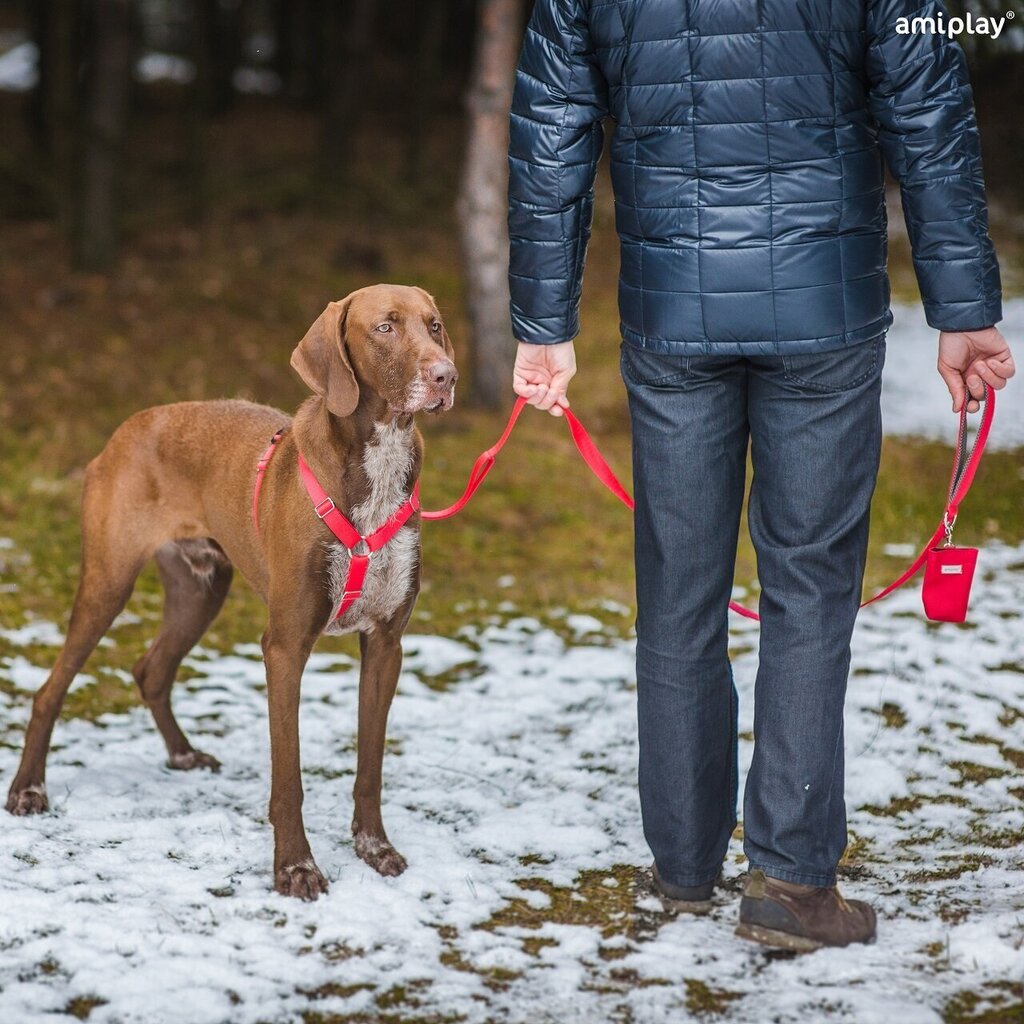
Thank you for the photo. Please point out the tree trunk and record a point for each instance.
(348, 35)
(204, 57)
(430, 22)
(54, 106)
(108, 83)
(482, 204)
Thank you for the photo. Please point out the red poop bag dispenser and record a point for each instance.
(949, 570)
(948, 573)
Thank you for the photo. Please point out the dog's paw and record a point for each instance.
(193, 759)
(379, 854)
(30, 800)
(303, 880)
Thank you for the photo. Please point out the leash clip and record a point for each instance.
(948, 525)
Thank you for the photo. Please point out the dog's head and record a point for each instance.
(388, 340)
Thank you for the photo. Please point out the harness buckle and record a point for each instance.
(328, 507)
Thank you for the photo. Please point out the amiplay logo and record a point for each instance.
(941, 25)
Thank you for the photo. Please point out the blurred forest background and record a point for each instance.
(185, 184)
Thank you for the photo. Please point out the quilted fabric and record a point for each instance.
(747, 165)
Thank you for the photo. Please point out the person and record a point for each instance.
(747, 164)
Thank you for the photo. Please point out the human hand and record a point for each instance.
(542, 373)
(970, 359)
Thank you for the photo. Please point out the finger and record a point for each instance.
(1002, 368)
(955, 384)
(988, 375)
(973, 406)
(555, 410)
(550, 399)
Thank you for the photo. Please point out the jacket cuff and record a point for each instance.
(543, 330)
(959, 294)
(963, 316)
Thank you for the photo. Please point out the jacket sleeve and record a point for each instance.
(921, 98)
(555, 140)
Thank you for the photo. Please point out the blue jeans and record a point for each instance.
(814, 426)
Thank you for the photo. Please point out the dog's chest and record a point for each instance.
(387, 462)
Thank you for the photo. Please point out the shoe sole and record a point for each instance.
(698, 907)
(776, 939)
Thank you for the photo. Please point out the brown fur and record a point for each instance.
(175, 483)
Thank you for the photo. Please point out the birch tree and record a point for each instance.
(482, 205)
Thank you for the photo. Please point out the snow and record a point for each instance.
(914, 398)
(19, 69)
(511, 769)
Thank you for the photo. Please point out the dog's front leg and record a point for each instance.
(381, 652)
(286, 647)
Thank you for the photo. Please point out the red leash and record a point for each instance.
(964, 468)
(360, 548)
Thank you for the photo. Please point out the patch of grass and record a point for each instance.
(892, 715)
(407, 994)
(954, 869)
(599, 898)
(976, 773)
(856, 857)
(704, 1001)
(336, 990)
(82, 1006)
(895, 807)
(1001, 1003)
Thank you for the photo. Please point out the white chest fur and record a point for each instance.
(387, 461)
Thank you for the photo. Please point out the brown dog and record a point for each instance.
(176, 483)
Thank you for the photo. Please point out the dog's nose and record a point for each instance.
(443, 374)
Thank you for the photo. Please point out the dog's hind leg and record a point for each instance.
(109, 571)
(196, 575)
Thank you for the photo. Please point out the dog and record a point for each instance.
(178, 483)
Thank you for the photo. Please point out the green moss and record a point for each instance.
(976, 773)
(601, 899)
(954, 869)
(999, 1003)
(893, 715)
(82, 1006)
(896, 806)
(704, 1001)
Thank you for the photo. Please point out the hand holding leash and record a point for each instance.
(542, 373)
(968, 360)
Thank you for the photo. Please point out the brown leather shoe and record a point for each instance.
(690, 899)
(801, 917)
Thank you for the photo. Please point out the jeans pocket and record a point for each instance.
(839, 370)
(651, 369)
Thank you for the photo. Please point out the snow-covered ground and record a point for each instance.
(511, 788)
(915, 400)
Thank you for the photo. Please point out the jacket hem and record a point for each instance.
(753, 347)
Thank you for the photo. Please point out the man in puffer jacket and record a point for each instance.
(747, 164)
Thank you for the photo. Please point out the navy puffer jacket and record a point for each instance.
(746, 162)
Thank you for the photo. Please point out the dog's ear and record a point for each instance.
(321, 360)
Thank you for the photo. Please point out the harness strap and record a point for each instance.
(333, 518)
(261, 469)
(360, 548)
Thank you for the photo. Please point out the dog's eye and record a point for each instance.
(383, 328)
(436, 326)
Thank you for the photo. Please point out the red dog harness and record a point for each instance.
(360, 548)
